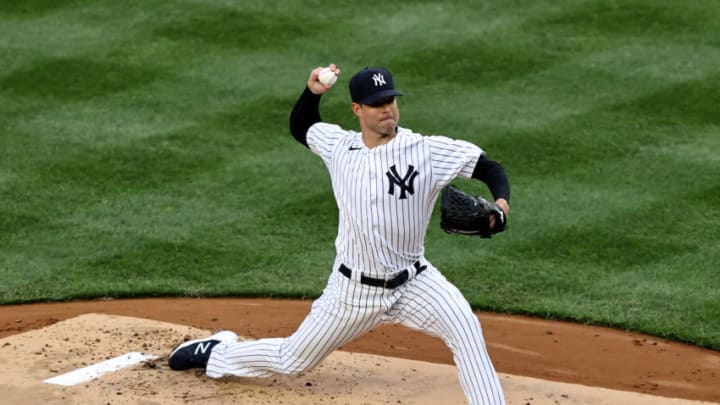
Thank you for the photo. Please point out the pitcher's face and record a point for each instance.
(380, 118)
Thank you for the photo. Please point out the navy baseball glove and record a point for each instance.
(468, 215)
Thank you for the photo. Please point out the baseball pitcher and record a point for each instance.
(386, 180)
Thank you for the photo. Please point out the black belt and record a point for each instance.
(394, 282)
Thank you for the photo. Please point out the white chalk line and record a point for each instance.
(96, 370)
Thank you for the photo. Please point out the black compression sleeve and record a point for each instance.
(493, 174)
(305, 113)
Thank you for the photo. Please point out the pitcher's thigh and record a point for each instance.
(434, 305)
(329, 325)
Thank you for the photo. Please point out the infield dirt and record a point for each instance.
(540, 362)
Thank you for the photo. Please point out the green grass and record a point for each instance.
(144, 149)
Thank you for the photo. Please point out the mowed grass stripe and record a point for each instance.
(613, 21)
(53, 29)
(575, 87)
(75, 79)
(96, 189)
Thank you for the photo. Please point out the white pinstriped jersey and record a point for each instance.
(386, 194)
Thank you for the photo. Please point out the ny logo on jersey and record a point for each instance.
(405, 183)
(378, 79)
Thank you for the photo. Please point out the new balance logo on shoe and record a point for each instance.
(203, 347)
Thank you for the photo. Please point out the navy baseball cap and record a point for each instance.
(371, 85)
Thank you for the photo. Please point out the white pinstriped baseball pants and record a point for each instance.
(347, 309)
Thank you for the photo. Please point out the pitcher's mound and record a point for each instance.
(110, 359)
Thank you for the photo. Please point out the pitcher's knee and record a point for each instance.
(466, 325)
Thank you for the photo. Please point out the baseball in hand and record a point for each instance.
(327, 76)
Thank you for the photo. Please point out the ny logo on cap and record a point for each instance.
(378, 79)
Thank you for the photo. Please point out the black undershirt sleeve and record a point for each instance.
(493, 174)
(305, 113)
